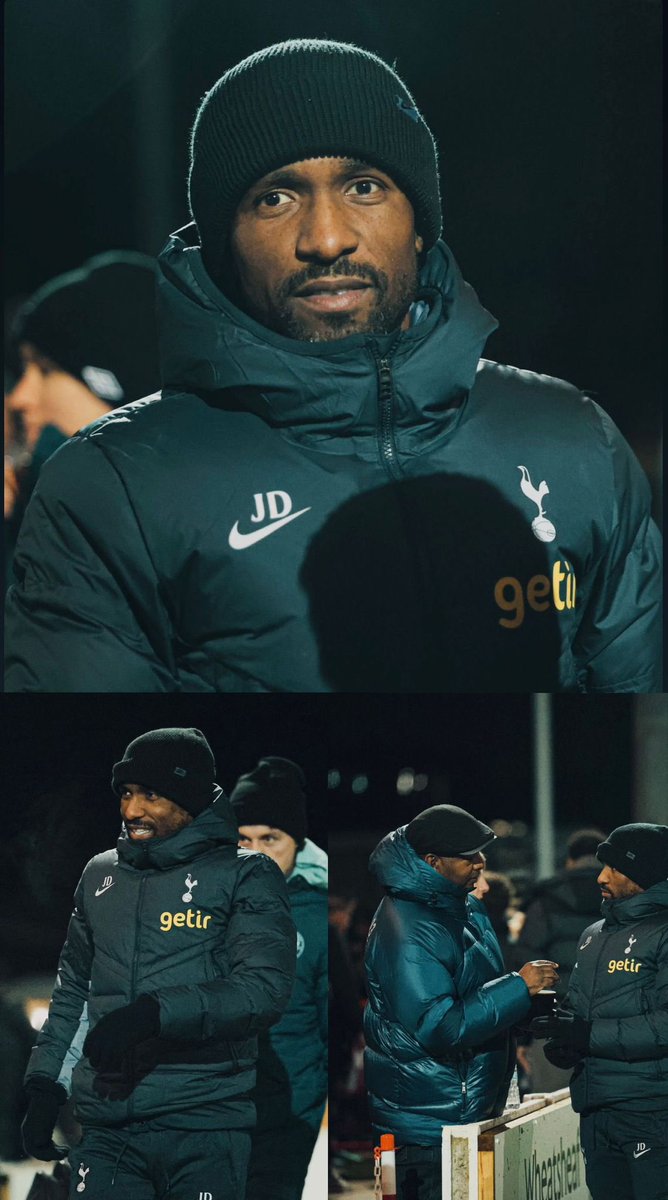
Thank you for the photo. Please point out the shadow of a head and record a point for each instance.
(420, 586)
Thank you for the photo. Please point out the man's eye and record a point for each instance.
(365, 187)
(273, 200)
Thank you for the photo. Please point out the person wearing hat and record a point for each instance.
(613, 1026)
(349, 451)
(269, 803)
(441, 1004)
(83, 344)
(179, 953)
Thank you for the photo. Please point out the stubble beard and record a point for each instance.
(390, 307)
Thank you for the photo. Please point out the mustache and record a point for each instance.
(341, 270)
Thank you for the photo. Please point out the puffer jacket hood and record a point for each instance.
(404, 874)
(437, 1025)
(311, 868)
(619, 984)
(324, 392)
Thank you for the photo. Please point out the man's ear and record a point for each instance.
(419, 244)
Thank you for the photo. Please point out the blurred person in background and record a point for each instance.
(269, 804)
(179, 952)
(441, 1005)
(345, 1032)
(329, 434)
(83, 344)
(556, 913)
(612, 1029)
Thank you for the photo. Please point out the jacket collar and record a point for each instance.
(319, 389)
(407, 876)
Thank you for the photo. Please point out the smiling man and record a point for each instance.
(441, 1004)
(180, 952)
(613, 1028)
(336, 492)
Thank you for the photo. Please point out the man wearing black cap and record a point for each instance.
(441, 1005)
(613, 1028)
(336, 492)
(270, 806)
(180, 951)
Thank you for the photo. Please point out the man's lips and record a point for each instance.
(140, 830)
(333, 295)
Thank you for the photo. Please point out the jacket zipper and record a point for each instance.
(133, 980)
(386, 443)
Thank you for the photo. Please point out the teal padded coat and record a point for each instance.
(441, 1005)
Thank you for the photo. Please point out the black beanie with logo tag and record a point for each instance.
(98, 324)
(176, 763)
(300, 99)
(447, 830)
(639, 851)
(272, 794)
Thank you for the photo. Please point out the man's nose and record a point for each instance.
(326, 231)
(133, 808)
(24, 392)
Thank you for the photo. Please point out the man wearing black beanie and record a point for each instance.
(179, 953)
(270, 805)
(613, 1027)
(337, 492)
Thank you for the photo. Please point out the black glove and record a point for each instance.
(560, 1054)
(45, 1097)
(120, 1031)
(565, 1028)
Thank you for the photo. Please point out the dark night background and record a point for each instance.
(547, 116)
(58, 810)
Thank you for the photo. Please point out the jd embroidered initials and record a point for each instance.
(279, 509)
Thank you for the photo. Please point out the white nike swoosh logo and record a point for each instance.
(639, 1153)
(105, 888)
(239, 541)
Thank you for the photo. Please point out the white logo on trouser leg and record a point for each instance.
(83, 1171)
(641, 1148)
(206, 1196)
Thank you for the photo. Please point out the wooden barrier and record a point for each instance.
(529, 1153)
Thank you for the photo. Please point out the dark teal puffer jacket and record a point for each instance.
(222, 973)
(292, 1066)
(371, 514)
(439, 1050)
(620, 984)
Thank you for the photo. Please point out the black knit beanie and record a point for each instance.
(303, 99)
(447, 830)
(98, 324)
(272, 794)
(176, 763)
(639, 851)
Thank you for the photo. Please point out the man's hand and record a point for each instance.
(45, 1098)
(569, 1036)
(121, 1030)
(539, 974)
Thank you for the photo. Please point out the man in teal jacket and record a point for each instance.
(441, 1005)
(179, 953)
(270, 806)
(614, 1026)
(335, 492)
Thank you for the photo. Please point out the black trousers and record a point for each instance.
(626, 1154)
(418, 1173)
(279, 1161)
(141, 1162)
